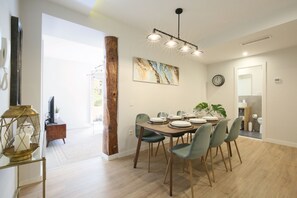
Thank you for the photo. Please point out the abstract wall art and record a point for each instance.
(154, 72)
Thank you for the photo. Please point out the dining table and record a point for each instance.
(167, 130)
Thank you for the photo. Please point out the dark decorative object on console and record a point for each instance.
(16, 61)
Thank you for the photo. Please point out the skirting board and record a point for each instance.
(281, 142)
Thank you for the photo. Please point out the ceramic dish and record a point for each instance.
(197, 120)
(156, 119)
(174, 117)
(210, 118)
(181, 123)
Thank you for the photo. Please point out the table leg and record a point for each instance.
(171, 161)
(138, 146)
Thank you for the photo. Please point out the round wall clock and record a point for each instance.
(218, 80)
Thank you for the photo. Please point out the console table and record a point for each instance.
(37, 156)
(55, 131)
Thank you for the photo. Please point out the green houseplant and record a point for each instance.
(211, 109)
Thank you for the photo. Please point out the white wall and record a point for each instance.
(281, 97)
(69, 83)
(134, 97)
(7, 9)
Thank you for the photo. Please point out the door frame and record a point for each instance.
(264, 90)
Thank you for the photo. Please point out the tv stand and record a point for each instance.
(55, 131)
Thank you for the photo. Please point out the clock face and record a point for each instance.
(218, 80)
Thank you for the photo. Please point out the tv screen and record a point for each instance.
(51, 109)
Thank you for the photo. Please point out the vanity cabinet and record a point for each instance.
(245, 112)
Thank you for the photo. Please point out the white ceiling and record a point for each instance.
(217, 27)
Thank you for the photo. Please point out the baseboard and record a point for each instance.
(281, 142)
(31, 181)
(109, 157)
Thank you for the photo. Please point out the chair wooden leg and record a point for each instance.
(211, 164)
(164, 151)
(191, 177)
(167, 170)
(217, 151)
(182, 139)
(177, 141)
(230, 148)
(223, 158)
(149, 157)
(237, 151)
(152, 149)
(191, 137)
(188, 137)
(207, 154)
(202, 158)
(229, 157)
(157, 149)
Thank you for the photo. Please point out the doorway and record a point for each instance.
(251, 99)
(71, 56)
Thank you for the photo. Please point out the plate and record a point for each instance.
(180, 123)
(175, 127)
(174, 117)
(210, 118)
(156, 119)
(164, 122)
(197, 120)
(190, 115)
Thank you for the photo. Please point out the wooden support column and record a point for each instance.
(110, 138)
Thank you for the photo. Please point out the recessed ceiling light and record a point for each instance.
(244, 53)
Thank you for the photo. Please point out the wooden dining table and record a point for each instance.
(167, 130)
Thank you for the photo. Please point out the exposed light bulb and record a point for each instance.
(171, 43)
(197, 52)
(185, 48)
(154, 37)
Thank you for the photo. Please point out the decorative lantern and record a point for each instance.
(20, 132)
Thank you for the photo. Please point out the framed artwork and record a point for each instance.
(16, 61)
(154, 72)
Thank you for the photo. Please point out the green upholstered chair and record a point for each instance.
(196, 149)
(149, 136)
(162, 114)
(216, 140)
(180, 113)
(232, 136)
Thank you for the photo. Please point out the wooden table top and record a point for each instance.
(167, 130)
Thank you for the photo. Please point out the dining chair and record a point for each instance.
(216, 140)
(149, 136)
(162, 114)
(196, 149)
(232, 136)
(180, 113)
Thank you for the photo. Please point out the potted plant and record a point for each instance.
(212, 109)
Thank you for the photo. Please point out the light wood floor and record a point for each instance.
(268, 170)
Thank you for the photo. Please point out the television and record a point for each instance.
(51, 110)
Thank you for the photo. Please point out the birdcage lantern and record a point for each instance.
(20, 132)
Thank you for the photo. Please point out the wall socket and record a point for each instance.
(130, 132)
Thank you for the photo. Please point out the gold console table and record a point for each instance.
(37, 156)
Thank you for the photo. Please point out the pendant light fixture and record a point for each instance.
(173, 41)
